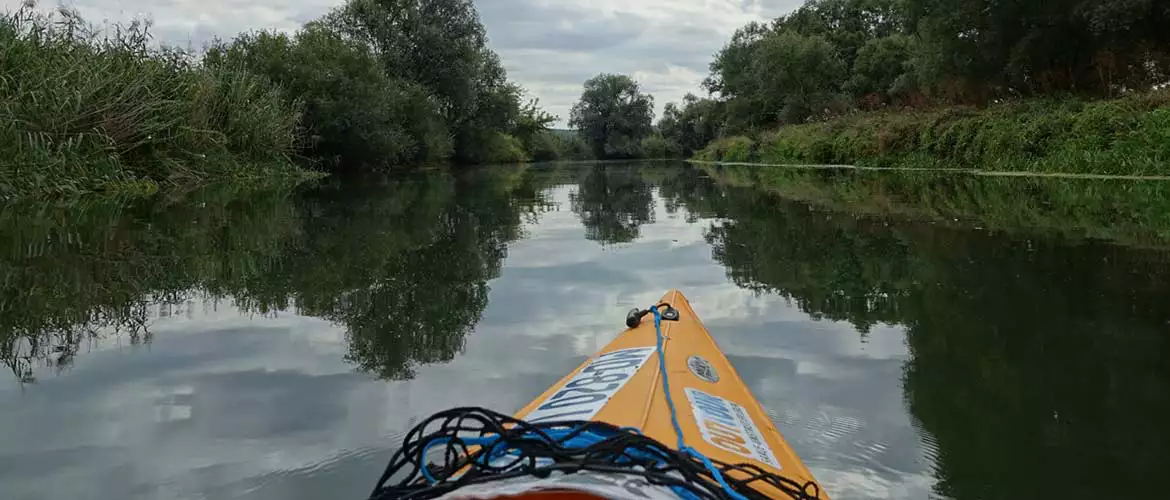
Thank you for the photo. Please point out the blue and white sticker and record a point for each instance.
(592, 387)
(727, 426)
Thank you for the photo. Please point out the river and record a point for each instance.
(227, 343)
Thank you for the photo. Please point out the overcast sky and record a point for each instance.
(548, 46)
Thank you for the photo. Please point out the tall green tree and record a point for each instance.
(882, 70)
(354, 114)
(693, 124)
(776, 76)
(441, 45)
(613, 115)
(846, 24)
(978, 50)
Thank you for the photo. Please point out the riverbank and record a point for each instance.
(1126, 136)
(106, 109)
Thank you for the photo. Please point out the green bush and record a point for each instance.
(657, 146)
(87, 112)
(548, 145)
(354, 113)
(503, 148)
(1130, 135)
(729, 149)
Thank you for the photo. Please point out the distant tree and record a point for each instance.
(613, 116)
(693, 125)
(530, 121)
(657, 145)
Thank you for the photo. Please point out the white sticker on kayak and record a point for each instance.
(583, 396)
(727, 425)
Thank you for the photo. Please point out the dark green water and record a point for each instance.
(275, 345)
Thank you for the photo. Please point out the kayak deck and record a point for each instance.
(623, 385)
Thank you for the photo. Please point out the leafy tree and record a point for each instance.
(613, 115)
(656, 145)
(975, 51)
(799, 76)
(441, 45)
(692, 126)
(531, 121)
(769, 76)
(848, 25)
(549, 145)
(353, 113)
(881, 68)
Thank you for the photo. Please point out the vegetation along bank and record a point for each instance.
(1054, 86)
(90, 108)
(1066, 85)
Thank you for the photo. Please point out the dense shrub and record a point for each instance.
(354, 113)
(86, 111)
(1130, 135)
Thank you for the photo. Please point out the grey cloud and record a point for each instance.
(525, 24)
(551, 49)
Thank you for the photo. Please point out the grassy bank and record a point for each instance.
(90, 111)
(1126, 136)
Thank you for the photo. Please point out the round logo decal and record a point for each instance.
(702, 369)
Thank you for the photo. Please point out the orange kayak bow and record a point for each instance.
(659, 413)
(717, 413)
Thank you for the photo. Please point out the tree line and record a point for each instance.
(397, 82)
(832, 57)
(372, 84)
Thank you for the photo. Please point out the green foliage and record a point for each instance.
(693, 125)
(729, 149)
(373, 84)
(881, 69)
(613, 115)
(658, 146)
(353, 113)
(797, 77)
(1091, 47)
(84, 111)
(1125, 136)
(848, 25)
(919, 52)
(549, 145)
(442, 46)
(504, 148)
(531, 121)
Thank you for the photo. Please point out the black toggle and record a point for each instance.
(634, 317)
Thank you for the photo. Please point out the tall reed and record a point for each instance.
(84, 108)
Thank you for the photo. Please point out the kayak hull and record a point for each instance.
(623, 385)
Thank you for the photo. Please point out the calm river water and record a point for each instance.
(275, 345)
